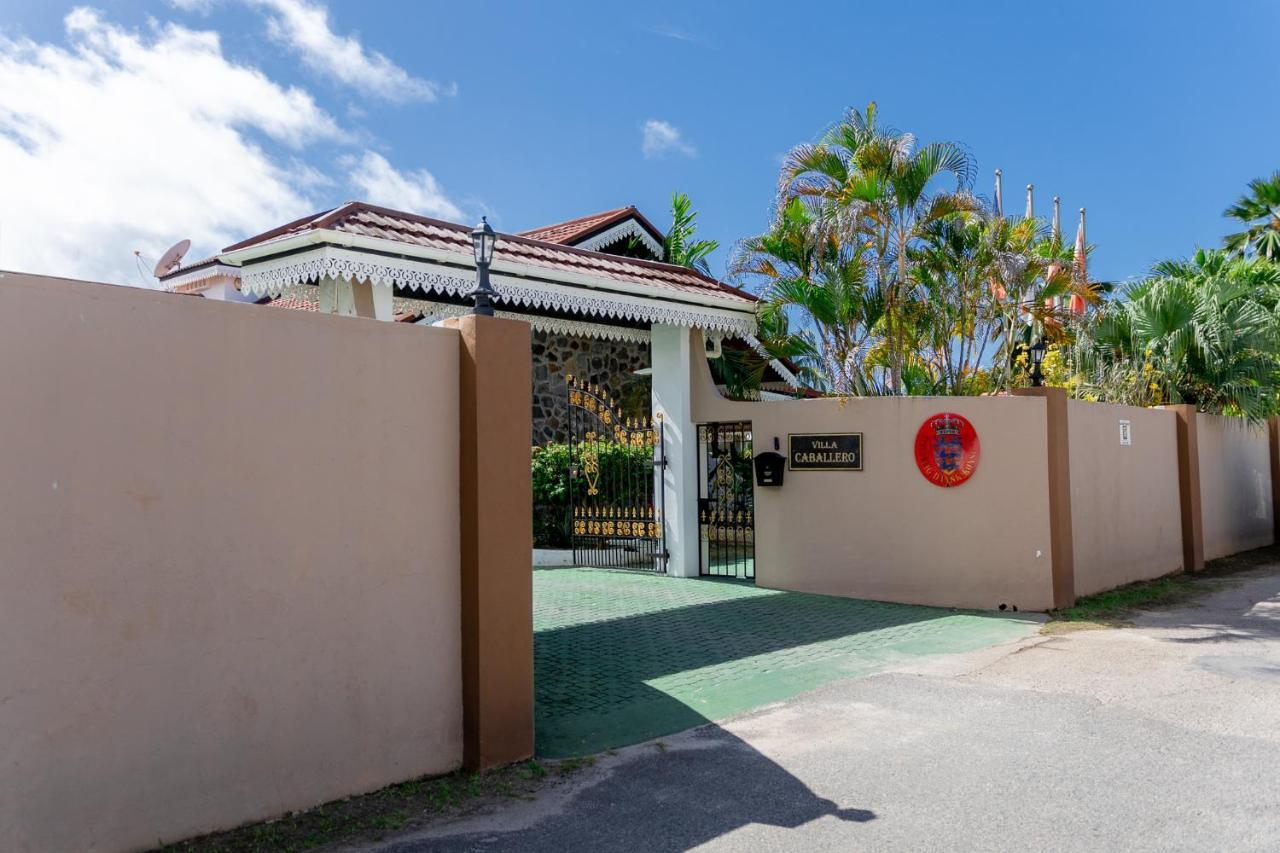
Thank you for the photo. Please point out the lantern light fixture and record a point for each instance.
(1037, 359)
(483, 240)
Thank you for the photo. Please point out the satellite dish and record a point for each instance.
(172, 257)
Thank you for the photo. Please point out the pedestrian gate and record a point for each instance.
(726, 509)
(615, 494)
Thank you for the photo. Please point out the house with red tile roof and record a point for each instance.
(617, 336)
(592, 288)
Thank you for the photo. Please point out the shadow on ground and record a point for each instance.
(659, 799)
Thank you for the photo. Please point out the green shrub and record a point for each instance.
(625, 473)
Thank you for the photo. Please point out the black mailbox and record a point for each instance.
(769, 468)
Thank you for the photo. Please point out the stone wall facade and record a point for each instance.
(612, 364)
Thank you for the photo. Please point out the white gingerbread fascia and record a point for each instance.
(629, 301)
(626, 229)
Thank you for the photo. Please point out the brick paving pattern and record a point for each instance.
(621, 657)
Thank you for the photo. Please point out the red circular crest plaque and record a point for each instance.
(947, 449)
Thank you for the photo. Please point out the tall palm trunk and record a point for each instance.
(895, 345)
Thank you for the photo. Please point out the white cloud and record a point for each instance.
(417, 192)
(674, 33)
(120, 140)
(304, 27)
(661, 138)
(201, 6)
(117, 140)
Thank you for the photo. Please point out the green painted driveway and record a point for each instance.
(621, 657)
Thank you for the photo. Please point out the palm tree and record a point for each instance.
(956, 306)
(986, 285)
(799, 267)
(742, 370)
(1259, 210)
(873, 189)
(680, 247)
(1203, 331)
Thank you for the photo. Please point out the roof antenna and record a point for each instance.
(172, 258)
(142, 273)
(1031, 204)
(999, 196)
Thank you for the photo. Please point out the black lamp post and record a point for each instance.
(483, 239)
(1037, 357)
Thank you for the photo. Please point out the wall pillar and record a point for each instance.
(673, 349)
(495, 395)
(1057, 449)
(1273, 442)
(1189, 487)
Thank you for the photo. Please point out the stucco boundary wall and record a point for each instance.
(1237, 501)
(1126, 508)
(235, 574)
(885, 532)
(1058, 508)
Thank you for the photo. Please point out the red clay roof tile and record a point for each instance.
(576, 230)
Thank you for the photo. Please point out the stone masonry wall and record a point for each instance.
(610, 363)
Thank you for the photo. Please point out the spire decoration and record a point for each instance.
(1081, 265)
(998, 292)
(1055, 268)
(1031, 203)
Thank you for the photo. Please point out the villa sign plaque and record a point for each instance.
(834, 451)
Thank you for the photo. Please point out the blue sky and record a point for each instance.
(1153, 116)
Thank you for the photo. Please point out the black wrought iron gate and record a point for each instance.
(726, 510)
(615, 496)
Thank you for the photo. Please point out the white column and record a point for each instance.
(372, 300)
(383, 296)
(336, 297)
(355, 299)
(672, 354)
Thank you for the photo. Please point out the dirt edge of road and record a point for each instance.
(1112, 609)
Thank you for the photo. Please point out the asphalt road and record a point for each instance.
(1164, 736)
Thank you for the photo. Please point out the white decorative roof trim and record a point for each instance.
(577, 328)
(435, 311)
(623, 230)
(201, 274)
(272, 277)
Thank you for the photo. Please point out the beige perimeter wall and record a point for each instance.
(1125, 510)
(887, 533)
(229, 577)
(1235, 485)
